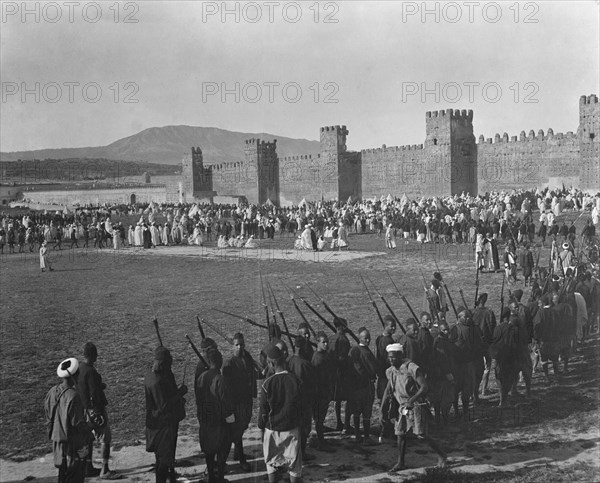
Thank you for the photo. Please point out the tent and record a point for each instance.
(349, 200)
(389, 198)
(269, 202)
(303, 203)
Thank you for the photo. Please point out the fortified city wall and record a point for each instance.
(448, 162)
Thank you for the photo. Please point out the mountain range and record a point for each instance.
(168, 145)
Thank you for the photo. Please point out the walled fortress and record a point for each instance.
(449, 162)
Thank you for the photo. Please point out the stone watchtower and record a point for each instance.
(450, 149)
(589, 129)
(263, 156)
(341, 172)
(196, 179)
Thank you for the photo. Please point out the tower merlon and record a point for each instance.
(591, 99)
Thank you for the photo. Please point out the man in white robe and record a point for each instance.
(251, 243)
(155, 235)
(139, 235)
(131, 236)
(306, 238)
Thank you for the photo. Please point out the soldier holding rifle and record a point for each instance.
(240, 373)
(339, 347)
(165, 407)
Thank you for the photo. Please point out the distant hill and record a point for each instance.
(167, 145)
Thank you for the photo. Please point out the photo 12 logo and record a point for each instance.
(470, 12)
(69, 91)
(253, 92)
(271, 12)
(453, 92)
(69, 12)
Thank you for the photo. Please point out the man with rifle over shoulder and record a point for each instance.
(381, 343)
(485, 319)
(441, 295)
(339, 348)
(215, 417)
(165, 408)
(469, 357)
(305, 372)
(240, 374)
(363, 373)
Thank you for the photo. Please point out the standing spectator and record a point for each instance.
(44, 260)
(526, 261)
(91, 390)
(66, 425)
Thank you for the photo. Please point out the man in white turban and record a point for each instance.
(407, 384)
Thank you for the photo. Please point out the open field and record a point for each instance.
(111, 298)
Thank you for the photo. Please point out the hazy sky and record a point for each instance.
(86, 74)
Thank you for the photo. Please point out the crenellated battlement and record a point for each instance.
(450, 160)
(591, 99)
(384, 148)
(523, 137)
(258, 142)
(226, 166)
(464, 114)
(299, 157)
(335, 129)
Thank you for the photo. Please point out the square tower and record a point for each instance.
(196, 179)
(261, 156)
(451, 151)
(589, 145)
(342, 169)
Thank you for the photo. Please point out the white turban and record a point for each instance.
(394, 348)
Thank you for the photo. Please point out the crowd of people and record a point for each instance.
(438, 363)
(483, 221)
(430, 373)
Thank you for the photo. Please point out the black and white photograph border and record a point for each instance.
(295, 232)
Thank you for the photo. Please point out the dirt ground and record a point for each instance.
(111, 298)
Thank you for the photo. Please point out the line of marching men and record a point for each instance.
(433, 364)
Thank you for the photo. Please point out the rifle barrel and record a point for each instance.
(285, 326)
(196, 350)
(245, 319)
(160, 342)
(385, 302)
(200, 328)
(322, 301)
(373, 302)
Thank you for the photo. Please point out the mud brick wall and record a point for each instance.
(531, 160)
